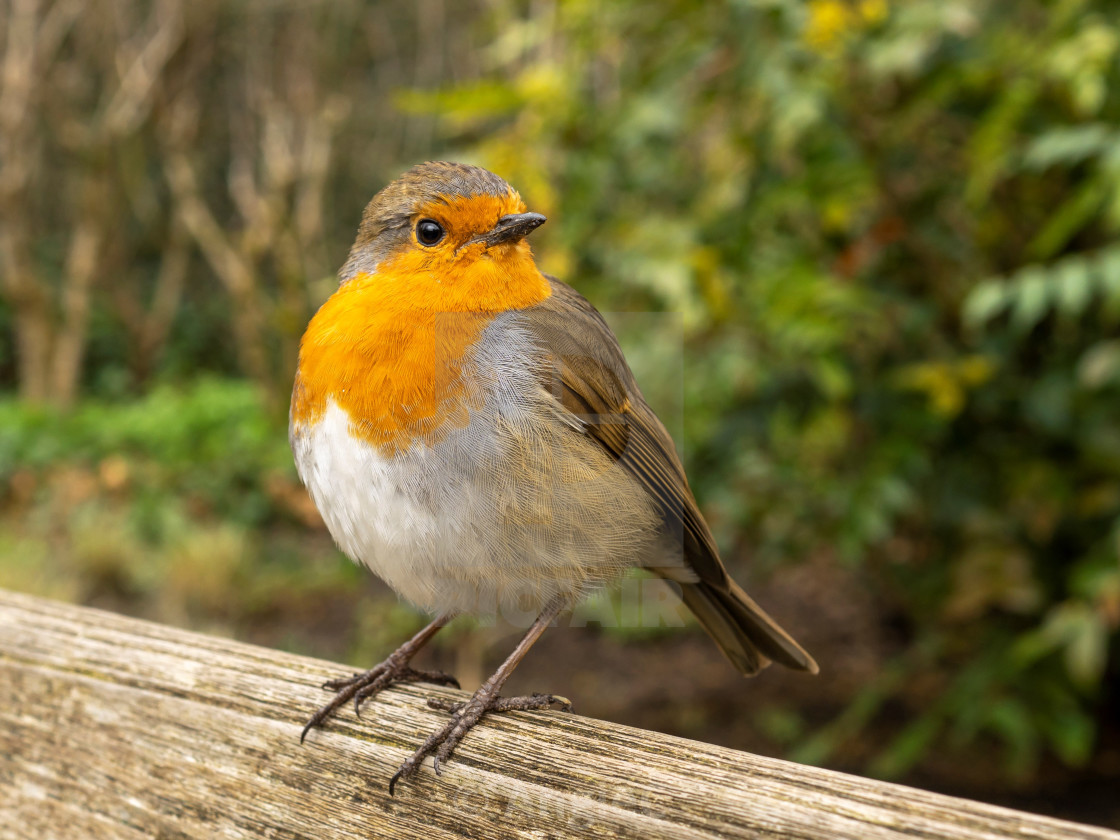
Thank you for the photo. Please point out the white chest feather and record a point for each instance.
(366, 500)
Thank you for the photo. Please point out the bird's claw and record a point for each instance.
(464, 716)
(342, 682)
(360, 687)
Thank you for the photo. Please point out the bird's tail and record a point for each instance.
(744, 632)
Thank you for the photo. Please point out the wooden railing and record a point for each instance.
(116, 728)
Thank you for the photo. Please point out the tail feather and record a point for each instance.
(743, 631)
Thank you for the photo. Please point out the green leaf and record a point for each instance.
(1072, 735)
(984, 302)
(1100, 364)
(1010, 719)
(1108, 275)
(1087, 650)
(1075, 286)
(1068, 145)
(1071, 216)
(1082, 635)
(908, 748)
(463, 104)
(1032, 298)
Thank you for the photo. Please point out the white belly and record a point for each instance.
(366, 502)
(454, 534)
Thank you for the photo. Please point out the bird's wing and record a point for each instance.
(589, 377)
(595, 393)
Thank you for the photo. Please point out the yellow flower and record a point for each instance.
(946, 384)
(829, 21)
(872, 12)
(832, 21)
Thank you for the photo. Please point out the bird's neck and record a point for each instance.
(396, 355)
(474, 279)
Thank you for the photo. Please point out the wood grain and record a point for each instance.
(116, 728)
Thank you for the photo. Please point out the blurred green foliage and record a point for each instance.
(888, 232)
(182, 505)
(888, 228)
(189, 433)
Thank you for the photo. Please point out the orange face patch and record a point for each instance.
(393, 349)
(455, 276)
(467, 216)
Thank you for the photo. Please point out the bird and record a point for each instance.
(470, 431)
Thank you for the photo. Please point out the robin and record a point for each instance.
(470, 431)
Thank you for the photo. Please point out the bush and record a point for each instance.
(887, 228)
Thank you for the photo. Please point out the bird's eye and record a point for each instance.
(429, 232)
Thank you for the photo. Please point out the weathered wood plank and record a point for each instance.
(116, 728)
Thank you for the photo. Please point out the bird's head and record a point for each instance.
(448, 237)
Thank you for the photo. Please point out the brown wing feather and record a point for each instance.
(590, 378)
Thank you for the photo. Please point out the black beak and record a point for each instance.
(511, 228)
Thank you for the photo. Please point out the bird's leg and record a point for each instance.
(394, 669)
(465, 715)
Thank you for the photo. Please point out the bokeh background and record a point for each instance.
(887, 230)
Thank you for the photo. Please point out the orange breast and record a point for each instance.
(395, 349)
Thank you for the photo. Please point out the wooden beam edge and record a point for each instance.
(127, 728)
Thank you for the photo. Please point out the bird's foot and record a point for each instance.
(464, 716)
(360, 687)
